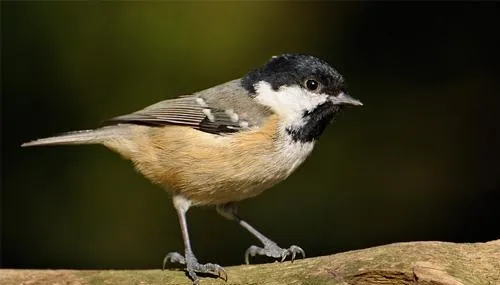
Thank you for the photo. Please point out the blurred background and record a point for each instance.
(419, 161)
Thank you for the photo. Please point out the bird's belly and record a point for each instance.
(222, 169)
(238, 178)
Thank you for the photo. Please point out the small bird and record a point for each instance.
(227, 143)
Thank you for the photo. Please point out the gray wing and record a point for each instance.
(225, 108)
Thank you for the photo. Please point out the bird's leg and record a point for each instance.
(182, 205)
(270, 248)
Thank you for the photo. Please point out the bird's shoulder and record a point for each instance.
(225, 108)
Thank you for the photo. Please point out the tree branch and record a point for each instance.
(422, 263)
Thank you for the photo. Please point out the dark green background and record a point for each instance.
(419, 161)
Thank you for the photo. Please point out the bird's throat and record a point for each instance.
(315, 122)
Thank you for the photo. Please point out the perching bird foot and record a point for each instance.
(273, 250)
(193, 266)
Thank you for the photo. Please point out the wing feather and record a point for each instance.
(225, 108)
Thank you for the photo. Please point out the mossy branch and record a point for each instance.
(436, 263)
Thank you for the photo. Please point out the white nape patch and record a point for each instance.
(290, 102)
(232, 115)
(209, 115)
(201, 102)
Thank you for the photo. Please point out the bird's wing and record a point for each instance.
(226, 108)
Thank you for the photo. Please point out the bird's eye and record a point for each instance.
(312, 84)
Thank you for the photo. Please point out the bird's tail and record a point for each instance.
(96, 136)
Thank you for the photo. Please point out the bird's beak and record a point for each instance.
(345, 99)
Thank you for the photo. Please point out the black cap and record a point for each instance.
(295, 69)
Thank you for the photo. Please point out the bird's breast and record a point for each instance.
(214, 169)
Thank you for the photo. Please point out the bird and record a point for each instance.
(227, 143)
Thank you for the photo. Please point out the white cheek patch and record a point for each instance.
(289, 102)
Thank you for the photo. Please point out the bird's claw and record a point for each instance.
(173, 257)
(273, 250)
(193, 266)
(207, 268)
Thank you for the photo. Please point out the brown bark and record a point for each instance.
(422, 263)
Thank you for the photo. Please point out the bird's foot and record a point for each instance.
(271, 249)
(193, 266)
